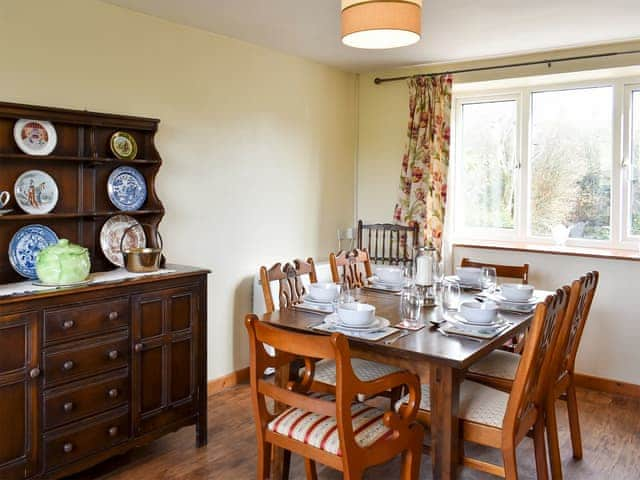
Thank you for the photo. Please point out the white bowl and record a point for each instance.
(356, 314)
(516, 292)
(479, 312)
(324, 291)
(469, 275)
(389, 274)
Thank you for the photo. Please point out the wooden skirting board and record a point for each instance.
(607, 385)
(599, 384)
(230, 380)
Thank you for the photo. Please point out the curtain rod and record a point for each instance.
(548, 62)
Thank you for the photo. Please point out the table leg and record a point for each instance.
(279, 464)
(445, 396)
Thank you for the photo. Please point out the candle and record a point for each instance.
(424, 271)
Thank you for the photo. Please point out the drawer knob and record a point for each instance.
(138, 347)
(67, 447)
(113, 393)
(113, 431)
(67, 324)
(68, 365)
(34, 372)
(113, 316)
(113, 354)
(68, 407)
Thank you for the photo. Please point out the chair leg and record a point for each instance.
(540, 449)
(310, 469)
(396, 395)
(286, 465)
(510, 463)
(264, 461)
(552, 438)
(412, 457)
(574, 421)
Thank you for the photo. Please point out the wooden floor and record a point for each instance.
(611, 436)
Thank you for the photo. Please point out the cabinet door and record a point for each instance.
(19, 405)
(165, 344)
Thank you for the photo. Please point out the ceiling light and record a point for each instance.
(379, 24)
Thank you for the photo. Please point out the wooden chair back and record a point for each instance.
(291, 288)
(353, 267)
(534, 376)
(388, 243)
(290, 346)
(586, 290)
(504, 271)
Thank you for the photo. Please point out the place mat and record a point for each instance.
(23, 288)
(480, 331)
(405, 326)
(371, 336)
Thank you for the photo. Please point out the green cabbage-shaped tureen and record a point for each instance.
(63, 263)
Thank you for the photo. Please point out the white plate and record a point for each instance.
(501, 299)
(471, 286)
(35, 137)
(459, 318)
(382, 284)
(38, 283)
(378, 324)
(36, 192)
(309, 299)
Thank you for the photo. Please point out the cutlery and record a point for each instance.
(394, 339)
(447, 334)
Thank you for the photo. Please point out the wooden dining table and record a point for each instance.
(440, 361)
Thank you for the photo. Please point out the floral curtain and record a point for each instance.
(425, 164)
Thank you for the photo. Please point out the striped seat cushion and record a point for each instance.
(498, 364)
(365, 370)
(320, 431)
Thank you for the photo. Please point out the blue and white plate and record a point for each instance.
(127, 188)
(26, 244)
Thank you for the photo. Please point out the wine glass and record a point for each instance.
(489, 280)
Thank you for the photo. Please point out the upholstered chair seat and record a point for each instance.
(498, 364)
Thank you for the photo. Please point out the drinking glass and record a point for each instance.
(344, 296)
(410, 305)
(438, 271)
(450, 292)
(407, 275)
(489, 279)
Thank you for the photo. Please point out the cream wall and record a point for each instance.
(258, 146)
(608, 349)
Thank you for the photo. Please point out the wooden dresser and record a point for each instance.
(89, 372)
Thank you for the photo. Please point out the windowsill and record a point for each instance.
(553, 249)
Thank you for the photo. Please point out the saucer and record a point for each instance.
(377, 324)
(460, 319)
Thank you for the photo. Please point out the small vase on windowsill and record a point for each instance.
(560, 234)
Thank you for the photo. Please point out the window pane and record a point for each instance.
(571, 156)
(635, 164)
(488, 164)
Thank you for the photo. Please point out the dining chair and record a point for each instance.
(355, 266)
(493, 418)
(520, 272)
(387, 242)
(332, 429)
(498, 369)
(291, 292)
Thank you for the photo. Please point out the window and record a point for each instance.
(635, 163)
(570, 162)
(529, 159)
(488, 161)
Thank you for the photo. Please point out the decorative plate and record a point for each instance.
(35, 137)
(36, 192)
(127, 188)
(26, 244)
(123, 146)
(112, 232)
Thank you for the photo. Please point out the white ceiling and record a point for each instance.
(452, 29)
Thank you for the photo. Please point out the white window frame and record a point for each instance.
(620, 238)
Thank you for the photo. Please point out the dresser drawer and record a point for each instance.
(88, 357)
(84, 398)
(95, 318)
(75, 444)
